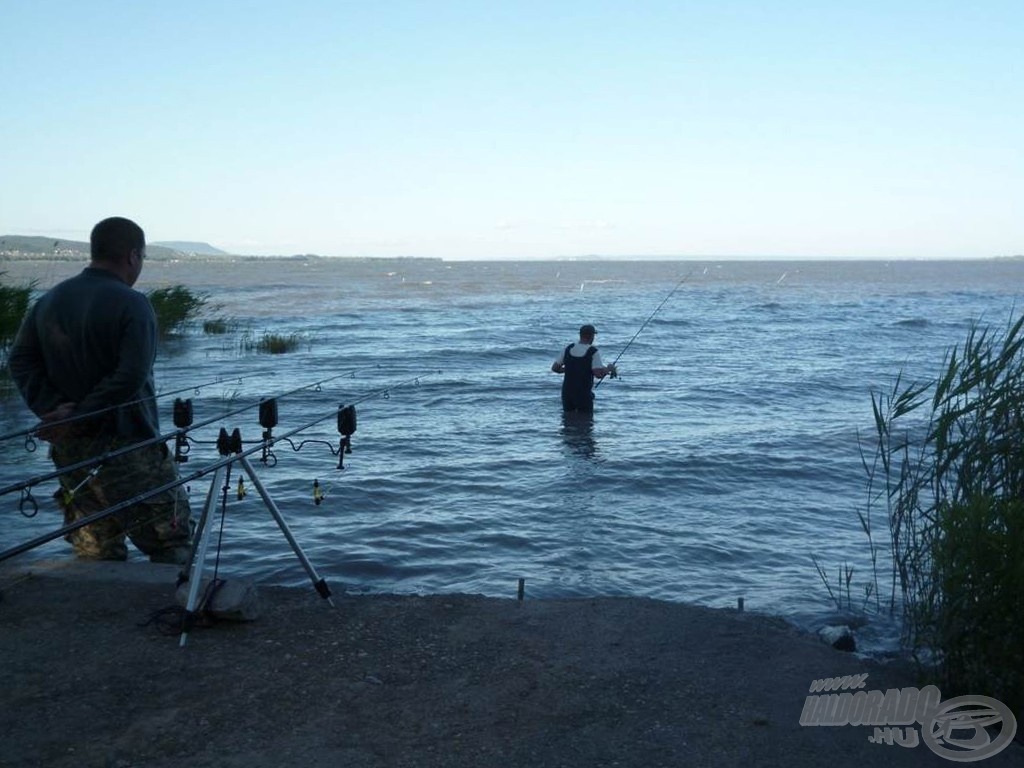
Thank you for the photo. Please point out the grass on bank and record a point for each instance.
(948, 471)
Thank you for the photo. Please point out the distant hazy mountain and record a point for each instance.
(186, 246)
(47, 248)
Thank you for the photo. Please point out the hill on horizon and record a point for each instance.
(35, 247)
(190, 246)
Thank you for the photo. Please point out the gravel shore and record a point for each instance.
(441, 680)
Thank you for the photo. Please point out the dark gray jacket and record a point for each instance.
(90, 340)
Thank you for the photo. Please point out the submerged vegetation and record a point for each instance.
(948, 470)
(218, 326)
(176, 307)
(272, 343)
(14, 301)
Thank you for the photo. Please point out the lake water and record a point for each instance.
(724, 457)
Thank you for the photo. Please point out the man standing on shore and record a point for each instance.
(87, 346)
(581, 363)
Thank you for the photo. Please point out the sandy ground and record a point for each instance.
(450, 680)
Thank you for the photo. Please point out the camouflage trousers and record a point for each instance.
(159, 526)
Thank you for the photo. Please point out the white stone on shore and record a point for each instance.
(232, 600)
(839, 636)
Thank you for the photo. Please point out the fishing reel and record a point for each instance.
(346, 428)
(182, 420)
(268, 420)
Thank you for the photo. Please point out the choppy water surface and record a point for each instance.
(723, 459)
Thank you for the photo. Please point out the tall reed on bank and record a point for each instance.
(948, 469)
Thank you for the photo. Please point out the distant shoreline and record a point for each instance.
(10, 257)
(7, 256)
(39, 248)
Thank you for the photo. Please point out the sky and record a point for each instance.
(524, 129)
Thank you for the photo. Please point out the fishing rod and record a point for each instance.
(91, 462)
(649, 318)
(227, 445)
(92, 414)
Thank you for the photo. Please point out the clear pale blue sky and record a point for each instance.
(520, 129)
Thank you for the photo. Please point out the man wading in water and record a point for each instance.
(581, 363)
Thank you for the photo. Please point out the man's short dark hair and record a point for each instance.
(112, 238)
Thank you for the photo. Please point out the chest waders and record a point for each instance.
(578, 382)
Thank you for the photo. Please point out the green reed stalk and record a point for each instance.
(949, 468)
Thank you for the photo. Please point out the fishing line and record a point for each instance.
(85, 463)
(232, 443)
(649, 318)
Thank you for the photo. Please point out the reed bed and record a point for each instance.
(947, 473)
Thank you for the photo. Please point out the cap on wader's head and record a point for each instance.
(588, 330)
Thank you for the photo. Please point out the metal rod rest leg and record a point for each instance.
(208, 505)
(201, 542)
(321, 586)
